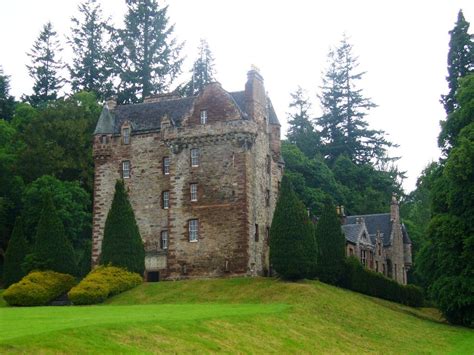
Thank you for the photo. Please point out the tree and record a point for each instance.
(292, 243)
(122, 245)
(45, 67)
(344, 129)
(460, 61)
(301, 131)
(91, 67)
(147, 57)
(331, 246)
(7, 102)
(52, 250)
(15, 255)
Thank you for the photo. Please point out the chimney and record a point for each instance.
(341, 214)
(394, 209)
(111, 103)
(255, 95)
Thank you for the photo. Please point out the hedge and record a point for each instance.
(359, 279)
(101, 283)
(38, 288)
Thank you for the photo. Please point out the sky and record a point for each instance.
(402, 45)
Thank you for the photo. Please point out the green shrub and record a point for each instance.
(103, 282)
(38, 288)
(15, 255)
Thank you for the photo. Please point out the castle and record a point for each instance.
(202, 174)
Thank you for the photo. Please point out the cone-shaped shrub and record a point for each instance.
(52, 249)
(15, 255)
(122, 245)
(292, 243)
(331, 247)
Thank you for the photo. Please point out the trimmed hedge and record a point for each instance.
(101, 283)
(359, 279)
(38, 288)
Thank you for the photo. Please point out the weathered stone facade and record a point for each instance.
(380, 241)
(214, 158)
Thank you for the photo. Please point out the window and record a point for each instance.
(377, 266)
(256, 233)
(194, 192)
(164, 240)
(193, 228)
(351, 251)
(126, 169)
(126, 135)
(383, 269)
(194, 157)
(103, 139)
(166, 165)
(166, 199)
(267, 198)
(268, 235)
(269, 164)
(203, 116)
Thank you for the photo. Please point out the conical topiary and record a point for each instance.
(292, 243)
(15, 255)
(122, 245)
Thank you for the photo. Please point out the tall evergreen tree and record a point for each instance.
(147, 56)
(331, 246)
(15, 255)
(7, 101)
(45, 67)
(292, 243)
(301, 130)
(91, 66)
(122, 245)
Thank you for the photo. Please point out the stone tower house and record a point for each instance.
(202, 175)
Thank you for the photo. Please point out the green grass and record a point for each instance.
(233, 315)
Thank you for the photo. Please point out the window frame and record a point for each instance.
(129, 170)
(165, 202)
(193, 230)
(193, 194)
(103, 139)
(166, 165)
(126, 136)
(194, 157)
(203, 117)
(257, 233)
(164, 239)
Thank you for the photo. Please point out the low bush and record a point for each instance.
(38, 288)
(101, 283)
(359, 279)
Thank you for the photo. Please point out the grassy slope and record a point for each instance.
(245, 315)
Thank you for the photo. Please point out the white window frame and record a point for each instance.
(194, 157)
(164, 239)
(203, 117)
(193, 189)
(126, 169)
(126, 133)
(166, 199)
(193, 229)
(166, 165)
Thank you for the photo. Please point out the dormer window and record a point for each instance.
(126, 135)
(103, 139)
(166, 165)
(203, 116)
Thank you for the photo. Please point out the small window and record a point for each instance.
(256, 233)
(268, 235)
(164, 239)
(194, 157)
(126, 169)
(166, 165)
(193, 226)
(126, 135)
(203, 116)
(103, 139)
(194, 192)
(267, 198)
(269, 164)
(166, 199)
(351, 251)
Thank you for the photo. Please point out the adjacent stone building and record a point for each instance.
(202, 175)
(380, 241)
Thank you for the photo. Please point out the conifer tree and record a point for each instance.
(15, 255)
(91, 67)
(202, 73)
(122, 245)
(7, 102)
(45, 67)
(331, 246)
(52, 249)
(292, 243)
(147, 56)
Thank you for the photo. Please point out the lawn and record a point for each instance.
(233, 315)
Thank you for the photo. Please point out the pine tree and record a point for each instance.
(91, 67)
(15, 255)
(122, 245)
(7, 102)
(45, 67)
(147, 56)
(52, 249)
(292, 243)
(301, 131)
(331, 246)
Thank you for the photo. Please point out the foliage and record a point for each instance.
(38, 288)
(91, 68)
(331, 246)
(85, 262)
(101, 283)
(45, 67)
(147, 57)
(122, 245)
(7, 101)
(292, 244)
(15, 255)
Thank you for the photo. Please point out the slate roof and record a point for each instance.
(375, 222)
(352, 231)
(406, 237)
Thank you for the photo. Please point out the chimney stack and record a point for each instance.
(255, 95)
(394, 209)
(111, 103)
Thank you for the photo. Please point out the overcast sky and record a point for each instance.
(401, 44)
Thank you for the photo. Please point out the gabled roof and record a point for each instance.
(374, 223)
(352, 231)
